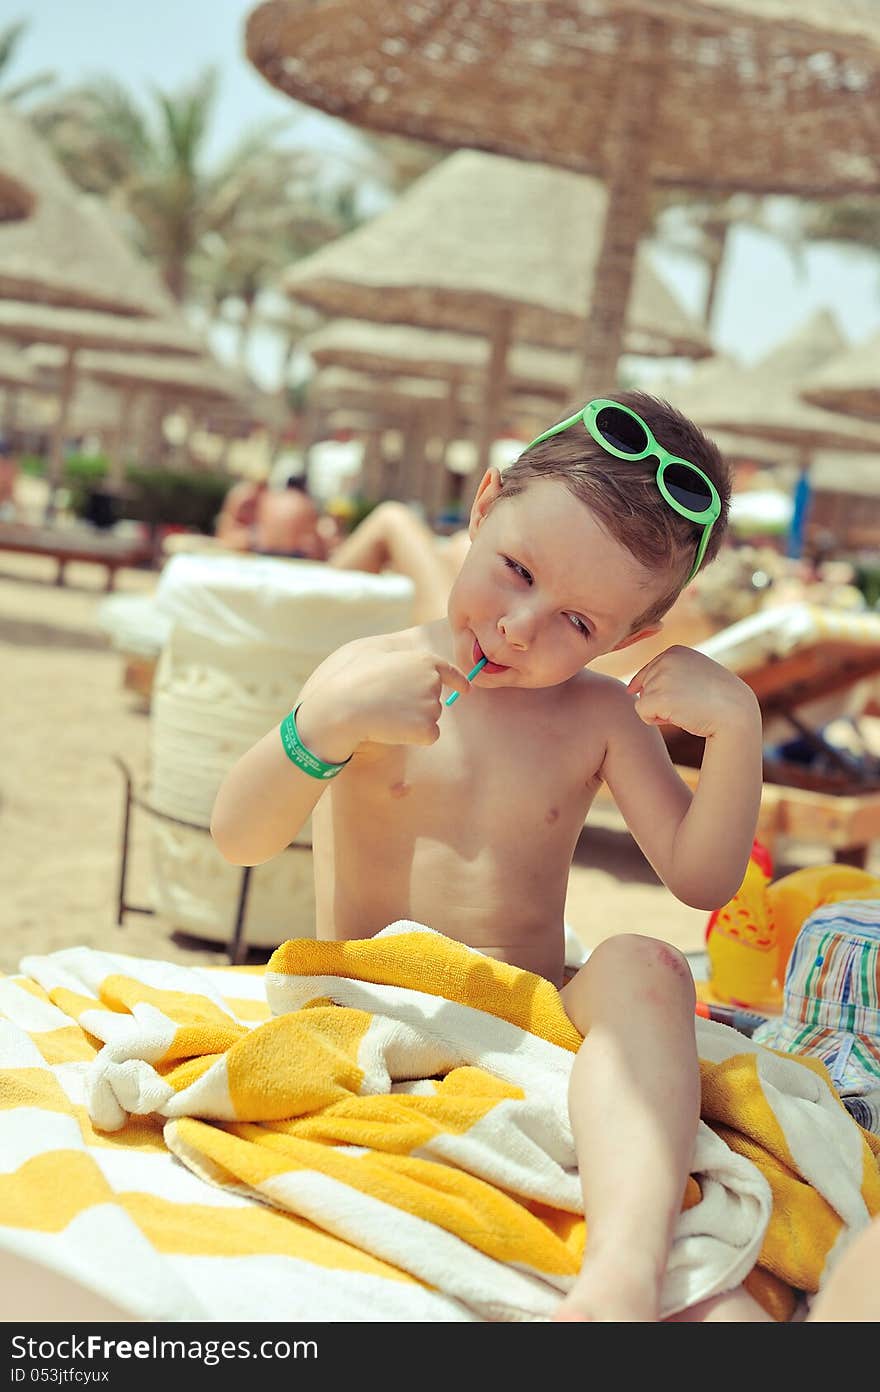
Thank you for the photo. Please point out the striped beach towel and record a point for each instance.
(374, 1130)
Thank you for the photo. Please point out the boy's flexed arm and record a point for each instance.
(367, 690)
(698, 843)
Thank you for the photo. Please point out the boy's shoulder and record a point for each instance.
(602, 687)
(604, 701)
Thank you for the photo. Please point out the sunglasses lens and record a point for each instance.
(687, 487)
(621, 431)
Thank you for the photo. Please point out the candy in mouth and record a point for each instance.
(490, 666)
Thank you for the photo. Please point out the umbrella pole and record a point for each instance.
(120, 436)
(370, 485)
(59, 431)
(628, 153)
(496, 387)
(438, 488)
(418, 436)
(309, 432)
(10, 407)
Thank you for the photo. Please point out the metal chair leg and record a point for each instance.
(237, 949)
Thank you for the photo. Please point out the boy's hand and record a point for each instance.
(381, 696)
(685, 688)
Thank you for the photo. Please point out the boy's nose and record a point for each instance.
(517, 628)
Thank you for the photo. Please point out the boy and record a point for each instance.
(465, 818)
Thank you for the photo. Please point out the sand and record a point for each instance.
(65, 714)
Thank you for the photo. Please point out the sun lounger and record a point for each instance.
(75, 544)
(807, 666)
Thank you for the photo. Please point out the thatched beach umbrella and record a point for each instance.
(762, 96)
(73, 330)
(17, 197)
(71, 252)
(485, 245)
(538, 379)
(175, 382)
(849, 382)
(15, 370)
(190, 385)
(15, 373)
(16, 200)
(429, 413)
(94, 410)
(764, 402)
(399, 350)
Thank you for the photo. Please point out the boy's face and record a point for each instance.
(543, 590)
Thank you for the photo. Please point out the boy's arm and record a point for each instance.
(698, 843)
(375, 689)
(265, 799)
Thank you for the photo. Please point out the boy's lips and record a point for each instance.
(490, 666)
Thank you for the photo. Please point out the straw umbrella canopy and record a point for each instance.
(15, 370)
(429, 412)
(74, 330)
(94, 410)
(485, 245)
(192, 383)
(365, 390)
(849, 382)
(17, 197)
(767, 96)
(764, 401)
(399, 350)
(70, 251)
(15, 373)
(69, 276)
(188, 384)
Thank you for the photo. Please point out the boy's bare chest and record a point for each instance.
(521, 775)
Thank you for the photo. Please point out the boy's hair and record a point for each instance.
(623, 495)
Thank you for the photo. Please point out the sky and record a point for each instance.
(762, 299)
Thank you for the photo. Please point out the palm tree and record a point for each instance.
(234, 224)
(853, 221)
(698, 224)
(10, 38)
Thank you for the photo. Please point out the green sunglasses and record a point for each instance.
(621, 432)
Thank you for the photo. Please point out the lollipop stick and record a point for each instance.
(450, 700)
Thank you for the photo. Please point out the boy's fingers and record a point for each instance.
(452, 676)
(636, 683)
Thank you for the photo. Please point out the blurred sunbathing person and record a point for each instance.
(275, 522)
(289, 523)
(393, 537)
(235, 522)
(448, 770)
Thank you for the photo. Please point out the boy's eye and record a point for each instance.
(518, 569)
(574, 619)
(578, 623)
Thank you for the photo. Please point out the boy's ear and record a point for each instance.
(488, 490)
(637, 637)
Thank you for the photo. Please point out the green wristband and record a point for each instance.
(302, 757)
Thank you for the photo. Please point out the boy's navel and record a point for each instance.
(400, 789)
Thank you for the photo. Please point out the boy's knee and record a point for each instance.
(638, 963)
(628, 951)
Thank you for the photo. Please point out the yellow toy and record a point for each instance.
(749, 940)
